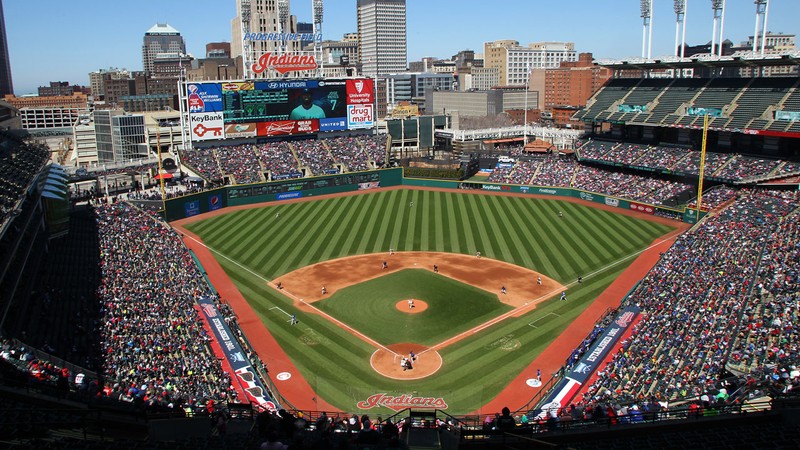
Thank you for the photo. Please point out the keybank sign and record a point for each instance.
(280, 37)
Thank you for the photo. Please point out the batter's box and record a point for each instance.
(532, 324)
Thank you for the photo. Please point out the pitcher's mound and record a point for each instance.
(387, 363)
(406, 307)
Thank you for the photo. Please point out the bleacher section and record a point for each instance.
(734, 168)
(757, 99)
(745, 103)
(680, 92)
(248, 163)
(606, 97)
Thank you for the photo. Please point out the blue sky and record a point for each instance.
(57, 40)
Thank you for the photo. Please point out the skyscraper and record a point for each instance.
(161, 38)
(382, 36)
(6, 86)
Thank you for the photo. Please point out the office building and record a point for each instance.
(382, 36)
(514, 61)
(6, 85)
(120, 136)
(571, 84)
(161, 38)
(218, 50)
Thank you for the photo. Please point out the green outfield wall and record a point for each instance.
(276, 191)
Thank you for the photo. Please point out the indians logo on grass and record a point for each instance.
(402, 402)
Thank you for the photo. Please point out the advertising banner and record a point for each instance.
(566, 389)
(337, 124)
(214, 202)
(360, 92)
(641, 207)
(207, 126)
(204, 97)
(360, 116)
(191, 208)
(284, 127)
(235, 356)
(590, 361)
(240, 130)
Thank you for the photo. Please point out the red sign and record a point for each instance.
(360, 92)
(282, 127)
(402, 402)
(283, 63)
(647, 209)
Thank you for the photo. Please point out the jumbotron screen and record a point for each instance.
(238, 109)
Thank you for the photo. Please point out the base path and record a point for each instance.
(488, 274)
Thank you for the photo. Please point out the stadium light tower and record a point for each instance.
(718, 8)
(316, 12)
(680, 22)
(245, 17)
(283, 19)
(762, 11)
(647, 27)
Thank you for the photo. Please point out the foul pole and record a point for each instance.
(702, 165)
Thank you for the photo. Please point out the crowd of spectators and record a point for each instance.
(694, 302)
(625, 153)
(714, 197)
(19, 164)
(683, 160)
(742, 167)
(239, 162)
(375, 146)
(654, 191)
(594, 149)
(769, 337)
(500, 174)
(245, 163)
(557, 171)
(204, 162)
(349, 151)
(314, 154)
(278, 159)
(663, 158)
(154, 346)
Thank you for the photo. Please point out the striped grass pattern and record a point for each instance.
(277, 239)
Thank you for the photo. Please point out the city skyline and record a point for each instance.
(93, 37)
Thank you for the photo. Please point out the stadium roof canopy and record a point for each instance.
(737, 59)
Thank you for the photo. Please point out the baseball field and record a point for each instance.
(375, 251)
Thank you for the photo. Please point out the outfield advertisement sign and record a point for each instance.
(235, 355)
(242, 109)
(641, 207)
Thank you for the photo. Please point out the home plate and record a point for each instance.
(533, 382)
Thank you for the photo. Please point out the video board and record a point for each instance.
(237, 109)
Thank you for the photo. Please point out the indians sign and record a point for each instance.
(285, 62)
(400, 402)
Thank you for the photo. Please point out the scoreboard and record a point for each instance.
(240, 109)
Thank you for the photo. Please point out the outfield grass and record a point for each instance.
(369, 307)
(523, 231)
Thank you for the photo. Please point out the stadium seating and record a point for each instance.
(694, 300)
(757, 99)
(19, 163)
